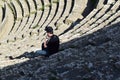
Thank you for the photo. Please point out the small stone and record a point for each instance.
(22, 73)
(18, 47)
(30, 75)
(32, 46)
(100, 74)
(117, 65)
(90, 65)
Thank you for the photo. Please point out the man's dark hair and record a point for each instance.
(49, 29)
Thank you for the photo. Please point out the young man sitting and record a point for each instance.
(50, 44)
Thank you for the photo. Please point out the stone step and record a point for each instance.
(17, 8)
(76, 12)
(45, 13)
(51, 15)
(25, 36)
(25, 7)
(95, 27)
(100, 4)
(15, 27)
(110, 1)
(93, 20)
(115, 7)
(2, 3)
(97, 16)
(111, 12)
(7, 23)
(105, 23)
(31, 16)
(34, 25)
(102, 11)
(22, 25)
(61, 29)
(32, 6)
(65, 13)
(1, 14)
(86, 19)
(58, 14)
(19, 15)
(116, 21)
(25, 16)
(29, 23)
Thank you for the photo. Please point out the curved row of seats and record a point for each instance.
(68, 3)
(1, 14)
(32, 16)
(25, 25)
(29, 18)
(25, 16)
(100, 9)
(65, 14)
(7, 23)
(100, 17)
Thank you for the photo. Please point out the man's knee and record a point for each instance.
(41, 52)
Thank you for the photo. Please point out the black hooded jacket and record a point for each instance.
(52, 45)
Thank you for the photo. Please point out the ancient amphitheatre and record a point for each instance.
(89, 31)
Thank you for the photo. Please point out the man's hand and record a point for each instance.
(45, 43)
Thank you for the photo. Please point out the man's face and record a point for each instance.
(49, 34)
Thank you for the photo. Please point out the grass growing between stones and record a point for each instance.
(56, 1)
(42, 8)
(35, 26)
